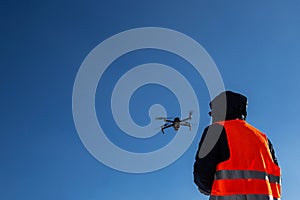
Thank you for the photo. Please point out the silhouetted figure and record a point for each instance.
(235, 161)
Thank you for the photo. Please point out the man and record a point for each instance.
(235, 161)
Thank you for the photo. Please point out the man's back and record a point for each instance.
(250, 168)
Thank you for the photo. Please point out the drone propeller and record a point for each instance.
(190, 114)
(166, 119)
(161, 118)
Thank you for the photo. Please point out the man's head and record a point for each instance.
(228, 105)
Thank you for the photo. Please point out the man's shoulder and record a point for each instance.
(255, 129)
(214, 129)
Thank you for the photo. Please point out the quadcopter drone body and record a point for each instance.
(176, 123)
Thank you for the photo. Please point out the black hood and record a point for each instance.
(228, 105)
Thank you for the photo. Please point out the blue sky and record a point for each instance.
(254, 44)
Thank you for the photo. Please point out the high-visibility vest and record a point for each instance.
(250, 173)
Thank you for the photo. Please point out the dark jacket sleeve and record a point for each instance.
(205, 166)
(272, 151)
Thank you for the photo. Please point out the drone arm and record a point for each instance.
(166, 126)
(187, 124)
(189, 118)
(186, 119)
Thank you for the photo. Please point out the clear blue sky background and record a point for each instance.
(255, 45)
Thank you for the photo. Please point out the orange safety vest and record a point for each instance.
(250, 173)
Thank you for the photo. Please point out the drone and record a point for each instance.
(175, 123)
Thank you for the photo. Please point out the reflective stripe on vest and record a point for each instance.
(246, 174)
(244, 197)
